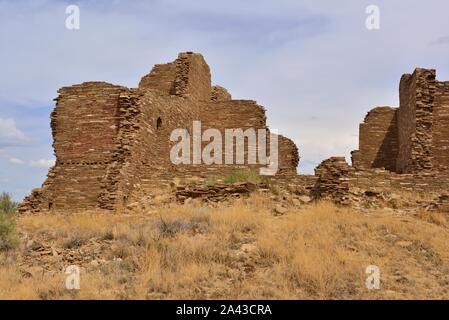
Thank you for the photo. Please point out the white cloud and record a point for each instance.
(440, 41)
(16, 161)
(41, 163)
(9, 134)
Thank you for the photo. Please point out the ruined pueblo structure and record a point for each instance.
(413, 138)
(112, 143)
(400, 149)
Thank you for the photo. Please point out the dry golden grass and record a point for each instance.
(234, 252)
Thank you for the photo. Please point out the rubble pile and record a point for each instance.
(215, 193)
(332, 183)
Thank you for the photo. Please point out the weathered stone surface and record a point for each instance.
(215, 193)
(304, 199)
(441, 203)
(378, 140)
(333, 182)
(280, 210)
(415, 118)
(219, 93)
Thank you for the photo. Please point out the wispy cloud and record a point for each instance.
(41, 163)
(10, 135)
(16, 161)
(440, 41)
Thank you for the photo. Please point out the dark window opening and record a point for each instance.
(159, 123)
(50, 205)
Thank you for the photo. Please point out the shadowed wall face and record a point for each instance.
(406, 122)
(378, 140)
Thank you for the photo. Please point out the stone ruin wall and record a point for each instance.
(112, 143)
(415, 118)
(403, 149)
(411, 138)
(82, 155)
(378, 179)
(378, 140)
(406, 122)
(345, 185)
(440, 130)
(333, 180)
(214, 107)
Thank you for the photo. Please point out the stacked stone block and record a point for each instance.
(333, 180)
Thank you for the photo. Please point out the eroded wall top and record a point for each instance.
(188, 76)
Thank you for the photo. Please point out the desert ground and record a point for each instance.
(238, 250)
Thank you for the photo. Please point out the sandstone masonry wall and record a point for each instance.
(333, 180)
(440, 130)
(378, 140)
(406, 122)
(288, 156)
(112, 144)
(82, 155)
(415, 118)
(219, 93)
(160, 78)
(412, 138)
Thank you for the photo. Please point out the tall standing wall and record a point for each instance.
(415, 119)
(440, 143)
(82, 154)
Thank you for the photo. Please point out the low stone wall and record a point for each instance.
(342, 184)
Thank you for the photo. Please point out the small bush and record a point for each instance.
(8, 233)
(212, 181)
(171, 227)
(243, 176)
(75, 241)
(7, 206)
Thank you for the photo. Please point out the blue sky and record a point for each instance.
(312, 64)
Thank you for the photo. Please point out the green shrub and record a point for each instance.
(211, 181)
(8, 232)
(7, 205)
(243, 175)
